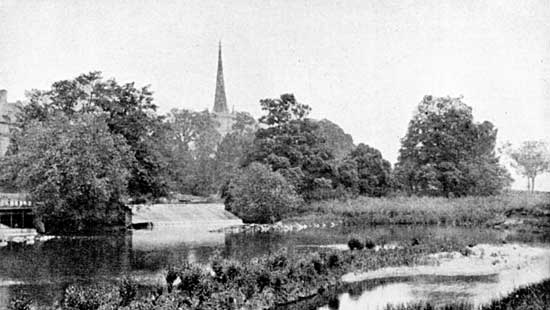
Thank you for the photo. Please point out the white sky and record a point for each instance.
(362, 64)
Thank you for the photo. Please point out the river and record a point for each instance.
(44, 269)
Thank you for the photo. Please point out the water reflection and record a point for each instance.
(45, 268)
(437, 290)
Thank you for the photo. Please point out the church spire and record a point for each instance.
(220, 101)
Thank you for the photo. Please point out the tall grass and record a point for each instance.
(464, 211)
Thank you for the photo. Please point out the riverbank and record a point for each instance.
(268, 281)
(507, 210)
(313, 265)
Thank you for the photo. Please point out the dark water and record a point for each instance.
(45, 268)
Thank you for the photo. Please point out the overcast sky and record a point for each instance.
(362, 64)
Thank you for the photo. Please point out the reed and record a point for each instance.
(463, 211)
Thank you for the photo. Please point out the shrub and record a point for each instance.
(355, 244)
(334, 261)
(263, 279)
(171, 276)
(318, 264)
(466, 251)
(279, 260)
(78, 297)
(127, 290)
(259, 195)
(190, 278)
(369, 243)
(20, 303)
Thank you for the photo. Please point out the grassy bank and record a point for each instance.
(466, 211)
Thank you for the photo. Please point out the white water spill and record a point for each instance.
(489, 273)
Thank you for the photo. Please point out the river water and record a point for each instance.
(44, 269)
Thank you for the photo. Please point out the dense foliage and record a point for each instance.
(335, 139)
(373, 171)
(443, 153)
(128, 111)
(446, 153)
(260, 195)
(302, 150)
(73, 169)
(193, 140)
(288, 143)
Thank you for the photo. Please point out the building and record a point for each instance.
(220, 112)
(7, 118)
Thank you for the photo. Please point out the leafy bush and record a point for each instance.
(20, 303)
(190, 278)
(369, 243)
(127, 291)
(259, 195)
(355, 244)
(334, 261)
(77, 297)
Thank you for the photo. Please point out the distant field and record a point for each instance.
(506, 208)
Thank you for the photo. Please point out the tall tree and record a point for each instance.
(531, 159)
(194, 140)
(373, 171)
(130, 112)
(288, 143)
(74, 169)
(232, 150)
(336, 140)
(446, 153)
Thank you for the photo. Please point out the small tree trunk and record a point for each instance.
(532, 184)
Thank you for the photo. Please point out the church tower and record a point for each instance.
(221, 114)
(224, 119)
(220, 101)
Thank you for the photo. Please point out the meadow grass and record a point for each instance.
(463, 211)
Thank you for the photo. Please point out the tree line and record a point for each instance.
(87, 146)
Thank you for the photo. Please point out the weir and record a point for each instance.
(205, 215)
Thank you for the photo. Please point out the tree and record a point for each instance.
(336, 140)
(531, 159)
(74, 169)
(373, 171)
(445, 152)
(231, 151)
(193, 142)
(288, 143)
(128, 111)
(259, 195)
